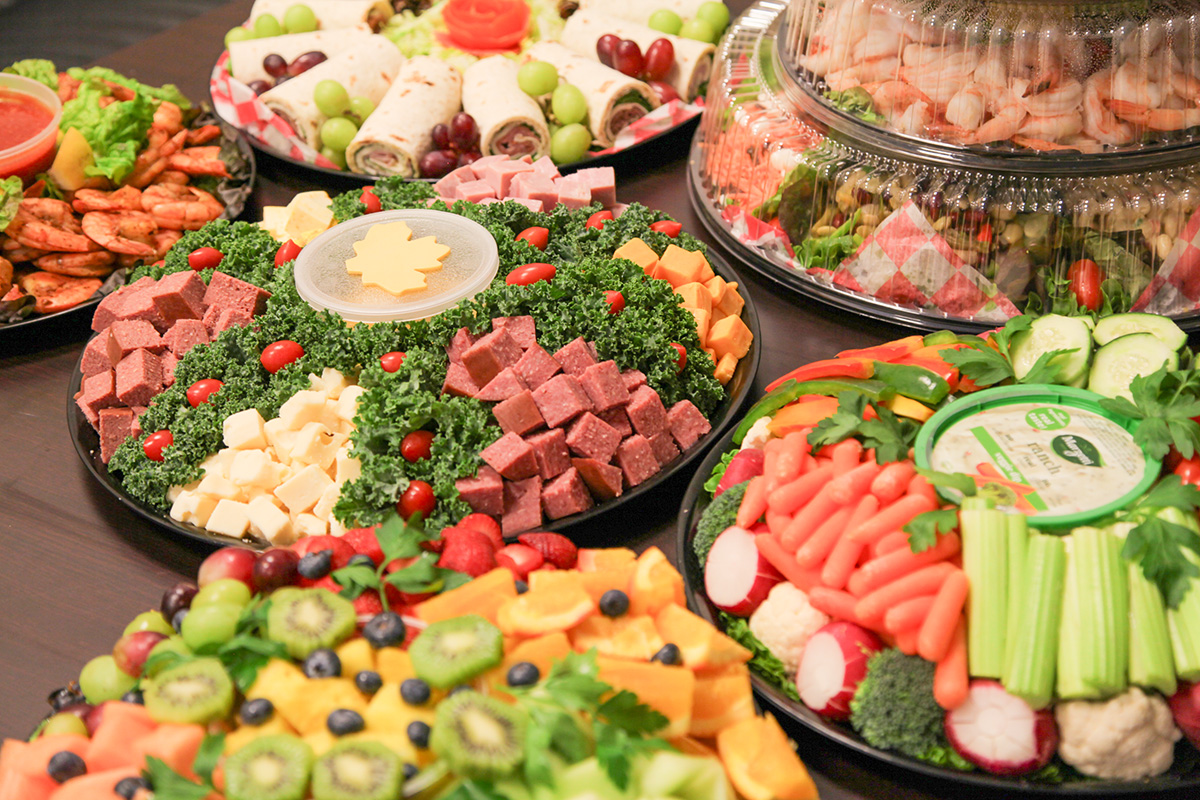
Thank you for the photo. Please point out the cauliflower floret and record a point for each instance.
(758, 434)
(785, 622)
(1129, 737)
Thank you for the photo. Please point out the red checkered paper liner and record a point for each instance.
(1176, 287)
(752, 231)
(661, 119)
(905, 261)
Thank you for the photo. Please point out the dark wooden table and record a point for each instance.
(75, 565)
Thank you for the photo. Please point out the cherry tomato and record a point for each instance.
(531, 273)
(616, 301)
(538, 237)
(681, 361)
(199, 392)
(985, 233)
(155, 443)
(417, 497)
(598, 219)
(668, 226)
(278, 355)
(660, 57)
(370, 200)
(415, 446)
(1084, 277)
(1188, 471)
(287, 252)
(391, 361)
(205, 258)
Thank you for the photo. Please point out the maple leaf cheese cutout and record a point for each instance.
(388, 257)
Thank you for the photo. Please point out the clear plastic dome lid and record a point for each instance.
(1020, 75)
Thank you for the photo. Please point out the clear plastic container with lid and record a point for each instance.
(923, 225)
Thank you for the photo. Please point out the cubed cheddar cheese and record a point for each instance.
(639, 253)
(302, 408)
(302, 491)
(219, 487)
(347, 402)
(255, 468)
(192, 507)
(269, 522)
(229, 518)
(244, 430)
(309, 525)
(703, 320)
(732, 302)
(678, 266)
(706, 270)
(695, 295)
(725, 367)
(729, 335)
(347, 468)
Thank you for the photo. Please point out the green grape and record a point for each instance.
(699, 30)
(226, 591)
(338, 157)
(666, 20)
(267, 25)
(100, 680)
(331, 98)
(173, 644)
(64, 723)
(299, 19)
(537, 78)
(361, 108)
(715, 14)
(568, 104)
(209, 626)
(570, 143)
(238, 34)
(149, 621)
(336, 133)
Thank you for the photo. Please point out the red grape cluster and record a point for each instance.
(278, 68)
(626, 57)
(455, 145)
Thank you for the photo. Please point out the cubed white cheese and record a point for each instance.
(316, 444)
(255, 468)
(192, 507)
(280, 438)
(301, 491)
(324, 507)
(274, 221)
(334, 382)
(219, 462)
(336, 528)
(309, 214)
(315, 383)
(220, 488)
(244, 430)
(230, 518)
(308, 525)
(348, 468)
(347, 403)
(267, 521)
(302, 408)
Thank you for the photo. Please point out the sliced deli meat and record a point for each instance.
(511, 123)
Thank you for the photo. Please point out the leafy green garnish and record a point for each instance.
(170, 785)
(986, 366)
(718, 471)
(857, 101)
(891, 436)
(923, 529)
(764, 662)
(39, 69)
(10, 199)
(827, 252)
(1165, 401)
(399, 539)
(1157, 543)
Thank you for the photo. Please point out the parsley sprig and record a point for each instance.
(988, 366)
(890, 435)
(1165, 401)
(170, 785)
(1161, 535)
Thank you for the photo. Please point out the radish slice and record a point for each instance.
(745, 464)
(736, 576)
(1185, 707)
(999, 732)
(832, 665)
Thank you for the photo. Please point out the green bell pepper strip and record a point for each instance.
(914, 382)
(789, 391)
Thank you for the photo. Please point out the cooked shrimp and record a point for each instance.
(78, 265)
(15, 251)
(68, 87)
(128, 232)
(6, 276)
(173, 176)
(915, 119)
(1052, 129)
(180, 207)
(47, 224)
(127, 198)
(164, 240)
(893, 97)
(968, 107)
(1062, 99)
(1007, 115)
(151, 162)
(199, 161)
(1156, 119)
(941, 80)
(168, 117)
(1132, 84)
(203, 135)
(1098, 120)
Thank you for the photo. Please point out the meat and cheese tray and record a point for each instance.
(243, 388)
(975, 557)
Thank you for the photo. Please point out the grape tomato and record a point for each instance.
(537, 237)
(155, 443)
(531, 273)
(200, 391)
(205, 258)
(278, 355)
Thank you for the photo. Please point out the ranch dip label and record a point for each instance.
(1042, 459)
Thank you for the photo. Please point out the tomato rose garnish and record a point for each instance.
(486, 24)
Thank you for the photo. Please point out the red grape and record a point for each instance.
(437, 163)
(177, 598)
(441, 136)
(627, 58)
(275, 65)
(274, 568)
(666, 92)
(660, 57)
(132, 649)
(469, 158)
(228, 562)
(258, 87)
(606, 46)
(463, 132)
(305, 62)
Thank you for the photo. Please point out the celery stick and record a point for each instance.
(1070, 682)
(1103, 596)
(1018, 542)
(1151, 663)
(1184, 622)
(984, 534)
(1033, 650)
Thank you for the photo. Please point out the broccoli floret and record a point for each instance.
(894, 709)
(720, 514)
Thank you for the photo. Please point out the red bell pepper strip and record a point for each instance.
(829, 368)
(888, 351)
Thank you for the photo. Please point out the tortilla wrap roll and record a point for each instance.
(367, 71)
(639, 11)
(246, 56)
(693, 60)
(609, 93)
(329, 13)
(510, 122)
(392, 140)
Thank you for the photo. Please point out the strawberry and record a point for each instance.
(395, 596)
(367, 605)
(342, 552)
(468, 551)
(435, 545)
(325, 583)
(554, 547)
(519, 559)
(484, 524)
(364, 543)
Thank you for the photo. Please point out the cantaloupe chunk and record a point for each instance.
(668, 690)
(695, 295)
(37, 754)
(731, 302)
(639, 253)
(121, 725)
(678, 266)
(94, 785)
(706, 270)
(17, 785)
(481, 596)
(176, 745)
(722, 697)
(716, 289)
(591, 559)
(725, 368)
(761, 763)
(730, 335)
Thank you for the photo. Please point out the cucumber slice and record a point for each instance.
(1118, 325)
(1124, 358)
(1054, 332)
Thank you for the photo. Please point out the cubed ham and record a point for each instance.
(518, 414)
(222, 318)
(125, 336)
(179, 295)
(536, 187)
(483, 493)
(499, 175)
(458, 382)
(565, 495)
(96, 392)
(618, 419)
(604, 386)
(536, 366)
(474, 191)
(633, 378)
(95, 356)
(636, 459)
(575, 356)
(532, 205)
(573, 192)
(139, 377)
(603, 480)
(646, 412)
(116, 424)
(546, 166)
(523, 329)
(506, 384)
(550, 449)
(686, 423)
(664, 448)
(489, 355)
(522, 506)
(591, 437)
(511, 456)
(560, 400)
(445, 186)
(227, 291)
(109, 309)
(136, 430)
(602, 181)
(184, 335)
(458, 345)
(479, 166)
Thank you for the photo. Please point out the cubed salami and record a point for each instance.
(169, 361)
(95, 356)
(222, 318)
(604, 385)
(506, 384)
(227, 291)
(489, 355)
(110, 307)
(560, 400)
(633, 378)
(591, 437)
(139, 306)
(137, 420)
(575, 356)
(522, 329)
(184, 335)
(125, 336)
(511, 456)
(96, 392)
(603, 480)
(518, 414)
(483, 493)
(550, 449)
(536, 366)
(565, 495)
(522, 506)
(115, 425)
(459, 344)
(139, 378)
(646, 412)
(179, 295)
(636, 459)
(618, 419)
(664, 448)
(686, 423)
(458, 382)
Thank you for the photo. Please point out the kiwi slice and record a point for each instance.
(479, 736)
(197, 691)
(358, 770)
(304, 620)
(455, 650)
(269, 768)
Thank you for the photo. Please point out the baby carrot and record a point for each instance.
(918, 486)
(907, 615)
(937, 630)
(770, 470)
(851, 485)
(846, 455)
(854, 582)
(841, 562)
(776, 523)
(816, 548)
(754, 502)
(890, 518)
(927, 580)
(791, 496)
(906, 642)
(890, 543)
(808, 519)
(782, 560)
(792, 452)
(898, 563)
(892, 481)
(950, 676)
(836, 604)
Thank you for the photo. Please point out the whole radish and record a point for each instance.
(834, 662)
(999, 732)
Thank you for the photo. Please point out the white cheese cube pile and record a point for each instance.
(279, 479)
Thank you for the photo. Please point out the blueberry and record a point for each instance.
(368, 682)
(415, 691)
(66, 696)
(385, 630)
(344, 721)
(65, 765)
(315, 566)
(323, 663)
(410, 771)
(522, 587)
(256, 712)
(614, 603)
(669, 655)
(134, 696)
(128, 787)
(523, 674)
(418, 734)
(177, 620)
